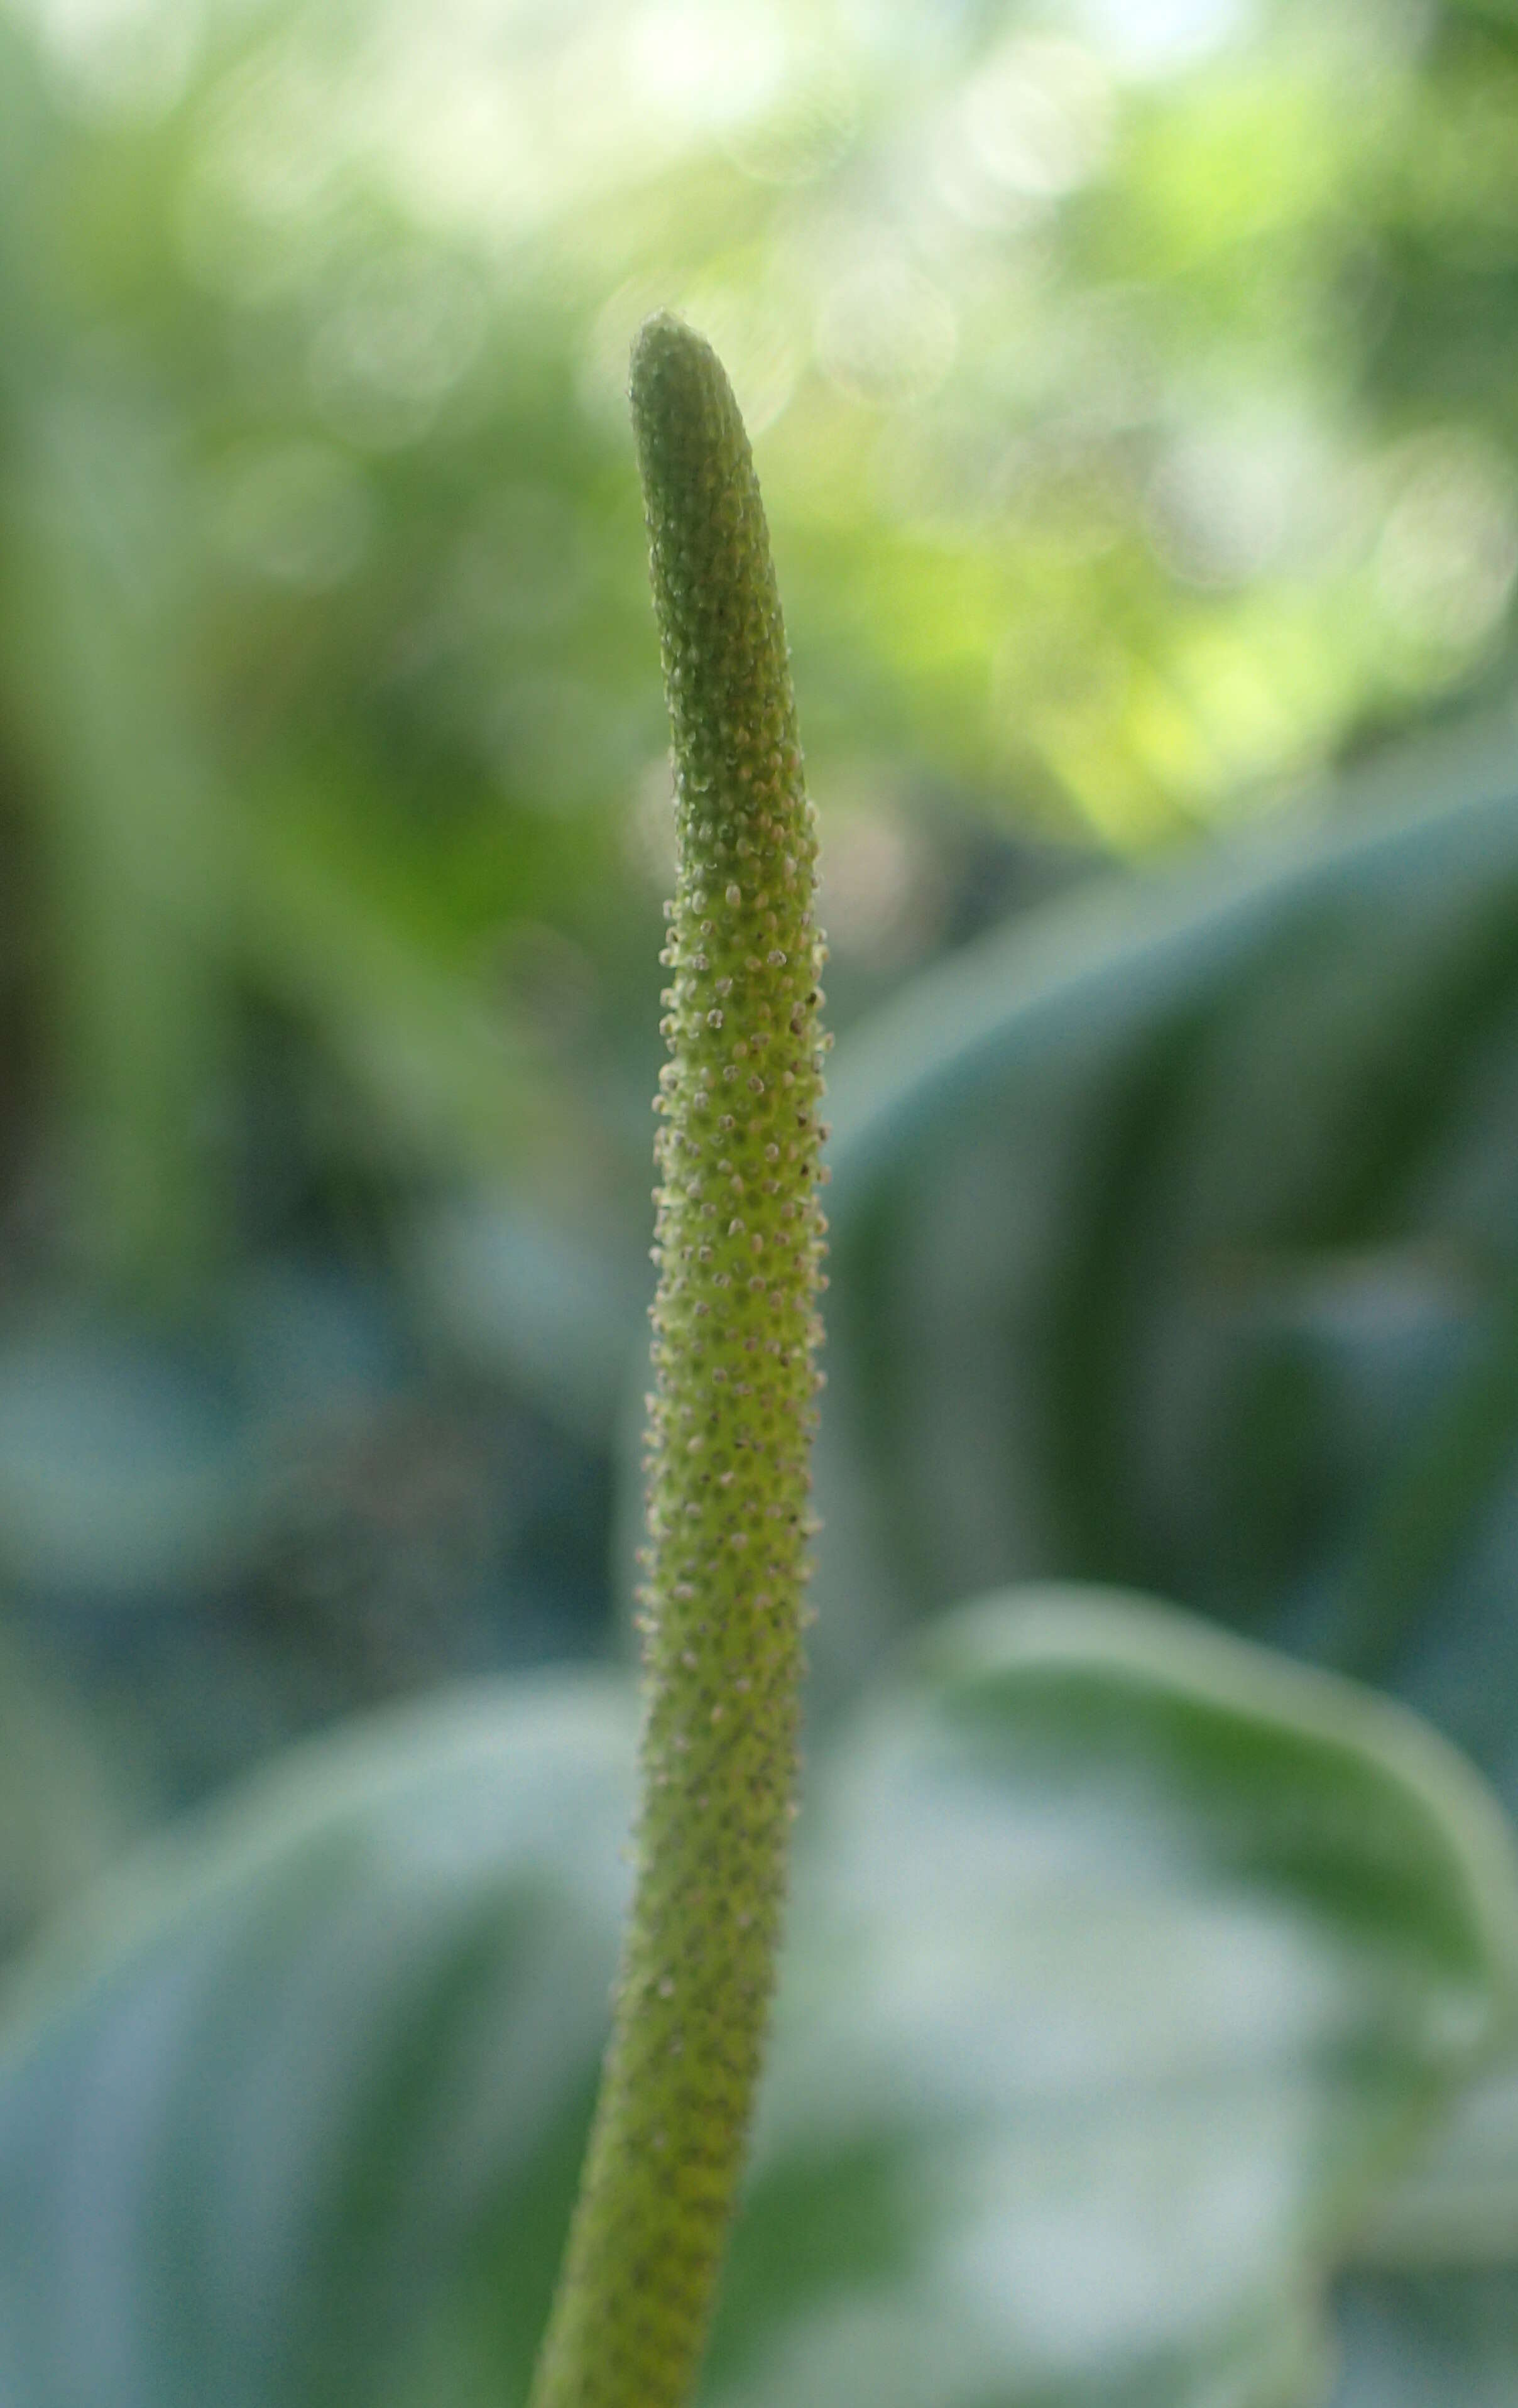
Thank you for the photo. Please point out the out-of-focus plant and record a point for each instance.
(1099, 364)
(1228, 1309)
(1126, 1968)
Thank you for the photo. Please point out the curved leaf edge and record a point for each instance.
(207, 1856)
(1158, 1646)
(1457, 2209)
(1124, 946)
(1155, 1647)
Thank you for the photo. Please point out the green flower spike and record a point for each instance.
(739, 1242)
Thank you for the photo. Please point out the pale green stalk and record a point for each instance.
(738, 1243)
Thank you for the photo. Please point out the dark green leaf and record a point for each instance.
(249, 2135)
(1447, 2339)
(1173, 1244)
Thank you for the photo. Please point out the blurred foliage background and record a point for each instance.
(1133, 383)
(1133, 386)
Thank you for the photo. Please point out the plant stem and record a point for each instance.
(739, 1242)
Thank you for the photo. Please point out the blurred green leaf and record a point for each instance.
(93, 605)
(1175, 1241)
(1459, 2204)
(66, 1807)
(254, 2123)
(1127, 1962)
(125, 1467)
(519, 1297)
(1127, 1965)
(444, 1080)
(1430, 2312)
(1423, 2341)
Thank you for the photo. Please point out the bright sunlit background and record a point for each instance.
(1135, 389)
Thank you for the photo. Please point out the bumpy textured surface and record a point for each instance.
(739, 1242)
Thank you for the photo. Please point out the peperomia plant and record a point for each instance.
(739, 1246)
(1128, 1967)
